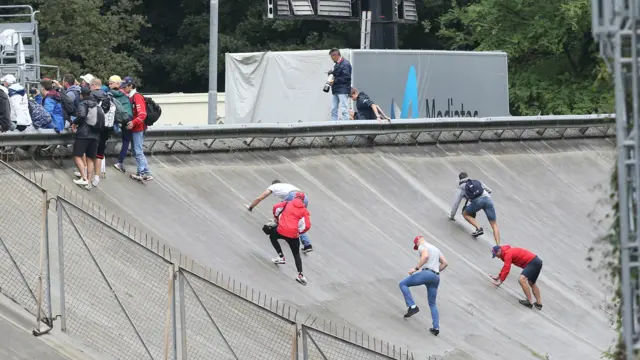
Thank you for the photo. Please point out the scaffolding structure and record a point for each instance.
(615, 27)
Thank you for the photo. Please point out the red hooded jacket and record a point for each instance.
(139, 108)
(294, 220)
(517, 256)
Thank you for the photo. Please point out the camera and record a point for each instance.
(327, 85)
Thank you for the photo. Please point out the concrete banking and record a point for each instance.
(366, 207)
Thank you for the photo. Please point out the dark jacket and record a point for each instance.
(363, 107)
(342, 77)
(5, 112)
(88, 108)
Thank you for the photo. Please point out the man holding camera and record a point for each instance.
(340, 81)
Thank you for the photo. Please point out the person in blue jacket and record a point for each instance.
(52, 103)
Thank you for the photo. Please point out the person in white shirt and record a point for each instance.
(477, 195)
(427, 272)
(285, 192)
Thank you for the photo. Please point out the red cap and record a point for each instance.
(416, 241)
(299, 195)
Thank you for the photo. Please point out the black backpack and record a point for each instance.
(68, 106)
(473, 189)
(153, 111)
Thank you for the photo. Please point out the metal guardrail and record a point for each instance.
(337, 128)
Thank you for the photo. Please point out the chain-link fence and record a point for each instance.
(119, 296)
(24, 255)
(218, 324)
(320, 345)
(116, 294)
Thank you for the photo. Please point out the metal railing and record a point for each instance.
(130, 297)
(496, 126)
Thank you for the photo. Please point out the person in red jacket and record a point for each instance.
(293, 219)
(531, 265)
(137, 127)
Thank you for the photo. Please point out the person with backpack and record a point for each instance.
(87, 127)
(52, 102)
(292, 219)
(124, 114)
(105, 102)
(137, 127)
(477, 195)
(72, 90)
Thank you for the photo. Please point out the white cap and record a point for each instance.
(87, 78)
(9, 79)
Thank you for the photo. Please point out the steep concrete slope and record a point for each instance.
(367, 205)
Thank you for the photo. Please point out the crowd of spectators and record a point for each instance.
(93, 111)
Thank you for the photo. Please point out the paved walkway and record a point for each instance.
(18, 344)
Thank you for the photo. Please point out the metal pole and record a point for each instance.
(623, 197)
(63, 313)
(213, 63)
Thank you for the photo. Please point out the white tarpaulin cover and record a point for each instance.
(272, 87)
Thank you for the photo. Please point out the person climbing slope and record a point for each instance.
(293, 220)
(477, 195)
(531, 265)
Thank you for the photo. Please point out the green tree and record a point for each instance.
(553, 60)
(96, 36)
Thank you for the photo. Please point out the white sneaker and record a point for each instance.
(77, 174)
(301, 279)
(96, 181)
(81, 181)
(278, 261)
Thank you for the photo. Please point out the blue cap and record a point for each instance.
(495, 250)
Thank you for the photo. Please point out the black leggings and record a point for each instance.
(294, 244)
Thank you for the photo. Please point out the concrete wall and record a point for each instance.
(186, 109)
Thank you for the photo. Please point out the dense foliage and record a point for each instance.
(553, 60)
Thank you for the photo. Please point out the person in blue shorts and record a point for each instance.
(477, 195)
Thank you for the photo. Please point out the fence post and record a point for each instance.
(305, 345)
(168, 323)
(294, 345)
(174, 275)
(43, 231)
(183, 319)
(63, 316)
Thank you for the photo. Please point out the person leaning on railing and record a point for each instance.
(366, 108)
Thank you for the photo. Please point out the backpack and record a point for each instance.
(97, 121)
(109, 110)
(153, 111)
(76, 98)
(121, 115)
(473, 189)
(40, 118)
(68, 105)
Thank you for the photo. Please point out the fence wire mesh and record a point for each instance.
(219, 324)
(23, 213)
(117, 293)
(319, 345)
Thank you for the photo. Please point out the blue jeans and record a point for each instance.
(126, 140)
(342, 101)
(138, 152)
(303, 237)
(482, 203)
(431, 280)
